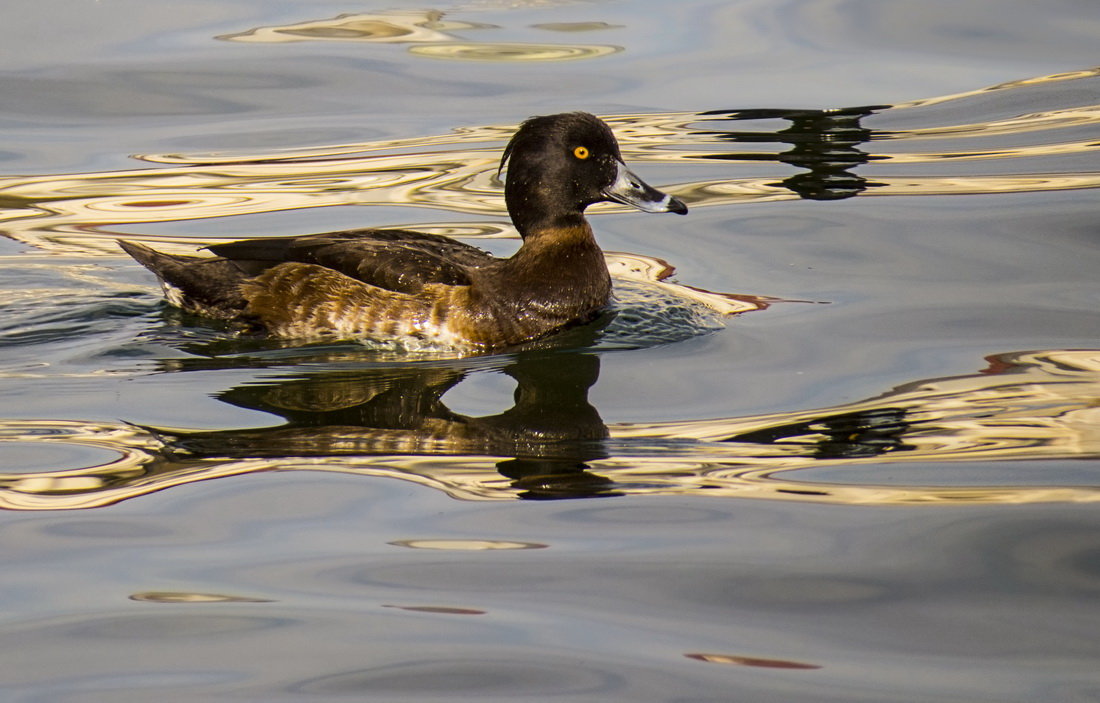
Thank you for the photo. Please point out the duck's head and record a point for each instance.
(560, 164)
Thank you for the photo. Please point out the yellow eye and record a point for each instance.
(581, 152)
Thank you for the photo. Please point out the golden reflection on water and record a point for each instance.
(188, 597)
(84, 212)
(1083, 74)
(553, 443)
(429, 35)
(392, 27)
(513, 52)
(1030, 122)
(576, 26)
(466, 545)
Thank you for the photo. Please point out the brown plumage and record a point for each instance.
(427, 290)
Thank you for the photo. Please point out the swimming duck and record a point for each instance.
(429, 290)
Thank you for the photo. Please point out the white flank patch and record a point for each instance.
(173, 294)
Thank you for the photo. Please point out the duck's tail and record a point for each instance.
(207, 285)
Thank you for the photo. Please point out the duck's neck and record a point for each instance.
(534, 206)
(561, 262)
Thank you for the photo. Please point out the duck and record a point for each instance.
(425, 290)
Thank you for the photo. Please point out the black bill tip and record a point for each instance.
(676, 205)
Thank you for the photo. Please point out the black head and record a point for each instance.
(560, 164)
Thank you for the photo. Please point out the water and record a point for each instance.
(836, 441)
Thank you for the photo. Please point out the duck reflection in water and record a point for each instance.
(546, 436)
(545, 441)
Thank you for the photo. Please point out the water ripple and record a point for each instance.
(1027, 405)
(83, 213)
(552, 443)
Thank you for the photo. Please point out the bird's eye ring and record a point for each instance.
(581, 152)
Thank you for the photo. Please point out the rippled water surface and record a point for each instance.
(838, 438)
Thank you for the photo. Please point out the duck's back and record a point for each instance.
(397, 260)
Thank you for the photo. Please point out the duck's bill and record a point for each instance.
(628, 189)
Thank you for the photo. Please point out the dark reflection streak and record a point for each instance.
(854, 435)
(823, 141)
(547, 435)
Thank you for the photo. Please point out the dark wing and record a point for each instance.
(398, 260)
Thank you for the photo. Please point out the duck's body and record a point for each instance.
(424, 289)
(427, 289)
